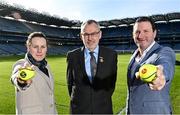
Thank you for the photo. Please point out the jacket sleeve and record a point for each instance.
(69, 73)
(14, 76)
(167, 60)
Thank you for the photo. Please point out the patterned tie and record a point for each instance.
(93, 64)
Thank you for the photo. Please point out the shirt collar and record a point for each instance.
(139, 58)
(95, 50)
(147, 49)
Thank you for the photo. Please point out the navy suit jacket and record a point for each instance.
(95, 97)
(141, 99)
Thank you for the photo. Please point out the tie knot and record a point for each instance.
(91, 53)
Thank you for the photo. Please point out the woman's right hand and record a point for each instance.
(21, 81)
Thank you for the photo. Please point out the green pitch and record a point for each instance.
(58, 67)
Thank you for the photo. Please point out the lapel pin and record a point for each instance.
(101, 59)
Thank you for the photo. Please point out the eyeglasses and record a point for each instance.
(94, 34)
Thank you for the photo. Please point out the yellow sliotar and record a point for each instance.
(26, 73)
(147, 72)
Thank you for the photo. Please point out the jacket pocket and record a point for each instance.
(157, 107)
(36, 109)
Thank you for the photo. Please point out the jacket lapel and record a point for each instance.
(132, 67)
(82, 63)
(45, 77)
(132, 59)
(150, 52)
(50, 78)
(100, 62)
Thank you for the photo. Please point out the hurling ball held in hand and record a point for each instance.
(26, 73)
(147, 72)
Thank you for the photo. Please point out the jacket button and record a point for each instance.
(131, 89)
(51, 105)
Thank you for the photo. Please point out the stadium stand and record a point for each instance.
(13, 25)
(63, 34)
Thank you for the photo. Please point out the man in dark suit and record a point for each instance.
(91, 73)
(153, 97)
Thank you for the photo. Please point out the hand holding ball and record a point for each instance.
(147, 72)
(26, 73)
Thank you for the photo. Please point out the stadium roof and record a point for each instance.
(128, 21)
(34, 16)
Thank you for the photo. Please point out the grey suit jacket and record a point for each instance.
(141, 99)
(38, 98)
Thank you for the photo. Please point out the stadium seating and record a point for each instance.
(12, 25)
(13, 34)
